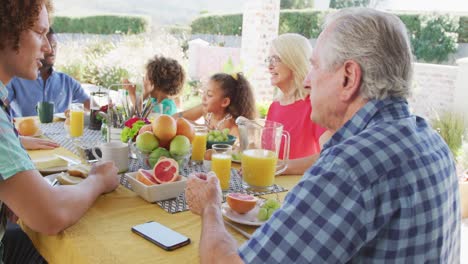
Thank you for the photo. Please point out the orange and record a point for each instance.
(185, 128)
(164, 128)
(27, 127)
(240, 202)
(145, 128)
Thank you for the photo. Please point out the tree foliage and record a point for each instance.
(296, 4)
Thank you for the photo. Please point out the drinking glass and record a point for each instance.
(76, 120)
(221, 164)
(199, 144)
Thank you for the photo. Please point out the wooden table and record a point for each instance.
(103, 235)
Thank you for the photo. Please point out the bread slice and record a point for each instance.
(79, 170)
(66, 179)
(49, 162)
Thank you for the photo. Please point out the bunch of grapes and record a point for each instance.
(267, 209)
(218, 136)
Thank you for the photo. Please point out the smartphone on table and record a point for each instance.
(160, 235)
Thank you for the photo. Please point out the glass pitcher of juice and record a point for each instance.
(260, 142)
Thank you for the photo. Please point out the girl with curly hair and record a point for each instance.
(227, 96)
(164, 80)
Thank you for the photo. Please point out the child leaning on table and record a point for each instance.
(226, 97)
(164, 80)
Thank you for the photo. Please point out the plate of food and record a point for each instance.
(73, 175)
(247, 209)
(60, 115)
(236, 157)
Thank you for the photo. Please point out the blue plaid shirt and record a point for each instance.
(384, 190)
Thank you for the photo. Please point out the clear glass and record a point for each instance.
(76, 120)
(199, 144)
(221, 164)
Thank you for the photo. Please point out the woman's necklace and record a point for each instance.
(209, 118)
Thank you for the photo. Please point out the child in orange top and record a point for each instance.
(225, 98)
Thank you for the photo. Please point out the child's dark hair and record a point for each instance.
(238, 89)
(166, 75)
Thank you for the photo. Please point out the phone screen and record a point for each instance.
(161, 235)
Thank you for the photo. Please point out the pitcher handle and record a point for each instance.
(283, 163)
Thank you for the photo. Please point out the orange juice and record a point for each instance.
(76, 123)
(259, 167)
(199, 146)
(221, 165)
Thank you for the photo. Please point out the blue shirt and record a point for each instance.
(384, 190)
(58, 88)
(13, 157)
(167, 105)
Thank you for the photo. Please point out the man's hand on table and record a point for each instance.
(105, 173)
(203, 190)
(32, 143)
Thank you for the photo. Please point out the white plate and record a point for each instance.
(50, 178)
(250, 218)
(60, 115)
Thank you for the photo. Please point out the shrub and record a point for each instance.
(101, 62)
(218, 24)
(262, 108)
(451, 127)
(432, 37)
(107, 24)
(436, 39)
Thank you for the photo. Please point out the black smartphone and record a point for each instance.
(160, 235)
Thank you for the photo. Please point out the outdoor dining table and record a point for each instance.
(103, 234)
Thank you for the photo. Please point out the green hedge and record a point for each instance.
(306, 22)
(106, 24)
(218, 24)
(463, 30)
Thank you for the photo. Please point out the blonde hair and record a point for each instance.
(294, 51)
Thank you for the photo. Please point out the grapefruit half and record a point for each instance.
(146, 177)
(166, 170)
(240, 202)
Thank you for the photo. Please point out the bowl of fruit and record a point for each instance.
(219, 137)
(165, 137)
(163, 182)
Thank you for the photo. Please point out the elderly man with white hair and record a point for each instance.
(384, 189)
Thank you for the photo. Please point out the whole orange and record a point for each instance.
(164, 127)
(185, 128)
(27, 127)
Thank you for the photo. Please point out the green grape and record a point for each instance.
(270, 212)
(216, 133)
(225, 138)
(226, 131)
(262, 214)
(211, 138)
(218, 139)
(271, 203)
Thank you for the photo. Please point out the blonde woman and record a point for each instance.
(288, 64)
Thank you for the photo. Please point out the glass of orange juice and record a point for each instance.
(76, 120)
(199, 144)
(221, 164)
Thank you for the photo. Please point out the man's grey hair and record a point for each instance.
(379, 43)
